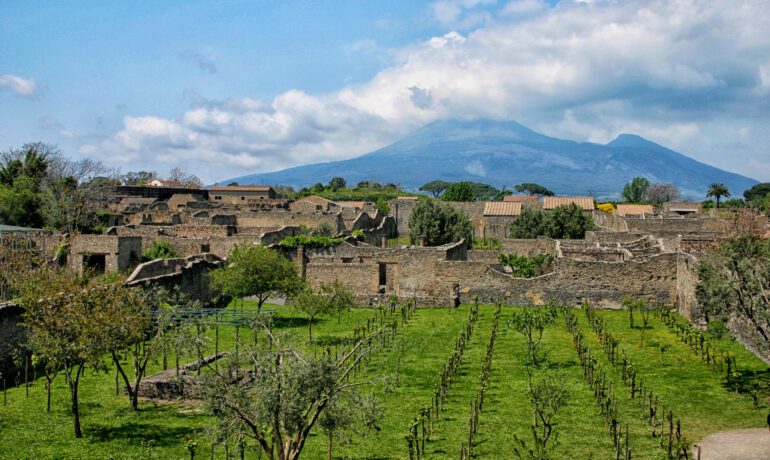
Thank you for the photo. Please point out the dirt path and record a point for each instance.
(749, 444)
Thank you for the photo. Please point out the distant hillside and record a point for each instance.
(503, 153)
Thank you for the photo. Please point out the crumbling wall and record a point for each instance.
(529, 247)
(189, 274)
(291, 219)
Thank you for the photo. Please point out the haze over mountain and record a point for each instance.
(505, 153)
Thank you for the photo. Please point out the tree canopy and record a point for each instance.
(717, 191)
(460, 191)
(438, 223)
(758, 191)
(565, 221)
(636, 190)
(533, 189)
(254, 270)
(435, 187)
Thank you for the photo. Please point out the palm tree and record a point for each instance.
(718, 191)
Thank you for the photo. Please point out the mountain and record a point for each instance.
(505, 153)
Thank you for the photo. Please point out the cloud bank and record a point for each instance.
(693, 75)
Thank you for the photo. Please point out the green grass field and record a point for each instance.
(695, 393)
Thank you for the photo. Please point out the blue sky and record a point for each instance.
(233, 87)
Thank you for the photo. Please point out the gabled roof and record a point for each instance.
(502, 208)
(586, 203)
(634, 209)
(241, 188)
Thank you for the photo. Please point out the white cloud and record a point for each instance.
(690, 74)
(24, 87)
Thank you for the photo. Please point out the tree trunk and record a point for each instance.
(310, 328)
(48, 391)
(73, 384)
(329, 451)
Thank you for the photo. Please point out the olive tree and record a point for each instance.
(75, 322)
(254, 270)
(286, 393)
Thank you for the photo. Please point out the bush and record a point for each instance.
(525, 267)
(606, 207)
(292, 242)
(566, 221)
(159, 250)
(438, 223)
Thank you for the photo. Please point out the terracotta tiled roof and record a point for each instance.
(634, 209)
(585, 203)
(241, 188)
(502, 208)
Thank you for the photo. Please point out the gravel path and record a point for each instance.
(749, 444)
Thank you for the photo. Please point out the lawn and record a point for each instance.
(405, 375)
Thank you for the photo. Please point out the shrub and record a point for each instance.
(292, 242)
(159, 250)
(525, 267)
(606, 207)
(438, 223)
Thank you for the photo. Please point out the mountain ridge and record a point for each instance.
(506, 153)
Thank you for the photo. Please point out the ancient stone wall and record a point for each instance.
(529, 247)
(288, 218)
(203, 231)
(189, 274)
(662, 227)
(120, 252)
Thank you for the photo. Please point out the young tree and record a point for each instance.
(254, 270)
(438, 224)
(150, 323)
(717, 191)
(312, 304)
(70, 321)
(548, 394)
(286, 395)
(531, 322)
(435, 187)
(636, 190)
(460, 191)
(533, 189)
